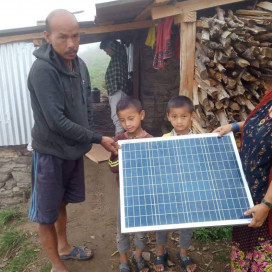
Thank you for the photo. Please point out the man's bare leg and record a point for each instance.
(49, 241)
(64, 248)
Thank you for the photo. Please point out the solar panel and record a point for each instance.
(182, 182)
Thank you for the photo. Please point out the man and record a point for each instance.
(116, 77)
(59, 87)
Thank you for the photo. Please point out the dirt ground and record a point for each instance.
(93, 224)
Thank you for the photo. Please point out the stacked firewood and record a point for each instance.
(233, 61)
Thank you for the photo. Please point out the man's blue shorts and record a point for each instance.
(54, 181)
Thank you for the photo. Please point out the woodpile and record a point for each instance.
(233, 61)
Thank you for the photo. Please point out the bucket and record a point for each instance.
(95, 94)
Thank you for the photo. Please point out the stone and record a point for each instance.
(25, 160)
(4, 177)
(7, 168)
(12, 201)
(6, 193)
(10, 184)
(20, 176)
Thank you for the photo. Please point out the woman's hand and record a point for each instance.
(223, 130)
(260, 213)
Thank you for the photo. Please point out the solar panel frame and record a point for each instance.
(125, 229)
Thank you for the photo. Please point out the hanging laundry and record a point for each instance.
(151, 37)
(163, 43)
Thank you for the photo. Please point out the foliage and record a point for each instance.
(22, 259)
(215, 233)
(8, 215)
(10, 240)
(257, 260)
(97, 62)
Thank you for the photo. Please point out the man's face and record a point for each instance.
(64, 36)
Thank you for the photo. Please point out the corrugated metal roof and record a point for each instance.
(121, 11)
(16, 118)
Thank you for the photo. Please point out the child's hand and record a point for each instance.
(223, 130)
(110, 145)
(260, 213)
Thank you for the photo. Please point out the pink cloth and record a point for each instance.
(163, 43)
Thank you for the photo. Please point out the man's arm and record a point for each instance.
(47, 87)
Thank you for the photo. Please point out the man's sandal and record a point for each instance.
(185, 261)
(124, 267)
(162, 259)
(78, 253)
(139, 263)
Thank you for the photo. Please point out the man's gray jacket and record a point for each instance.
(61, 104)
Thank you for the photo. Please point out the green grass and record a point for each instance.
(213, 234)
(46, 268)
(7, 216)
(22, 259)
(10, 240)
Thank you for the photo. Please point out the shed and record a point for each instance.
(128, 20)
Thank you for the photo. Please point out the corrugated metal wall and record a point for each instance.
(16, 118)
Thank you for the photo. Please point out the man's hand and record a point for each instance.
(110, 145)
(223, 130)
(260, 213)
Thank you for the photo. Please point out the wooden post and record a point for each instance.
(187, 57)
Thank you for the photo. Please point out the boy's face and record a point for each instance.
(180, 118)
(131, 120)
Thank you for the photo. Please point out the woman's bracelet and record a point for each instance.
(236, 127)
(267, 203)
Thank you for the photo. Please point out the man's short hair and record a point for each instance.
(180, 102)
(129, 102)
(105, 44)
(51, 14)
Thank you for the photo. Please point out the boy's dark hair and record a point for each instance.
(105, 44)
(128, 102)
(179, 102)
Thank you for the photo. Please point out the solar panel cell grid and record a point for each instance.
(180, 182)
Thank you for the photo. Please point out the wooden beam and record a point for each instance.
(265, 5)
(25, 37)
(249, 12)
(144, 14)
(115, 28)
(147, 11)
(187, 58)
(186, 6)
(185, 17)
(88, 30)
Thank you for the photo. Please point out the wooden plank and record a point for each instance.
(115, 28)
(147, 11)
(89, 30)
(187, 58)
(25, 37)
(161, 2)
(185, 17)
(265, 5)
(253, 12)
(187, 6)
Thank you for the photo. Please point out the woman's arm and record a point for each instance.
(228, 128)
(260, 211)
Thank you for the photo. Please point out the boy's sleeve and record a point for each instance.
(113, 161)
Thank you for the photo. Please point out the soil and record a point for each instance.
(93, 224)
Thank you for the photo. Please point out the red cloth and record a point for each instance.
(265, 99)
(163, 43)
(177, 46)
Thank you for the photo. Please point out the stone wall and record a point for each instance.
(15, 176)
(156, 88)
